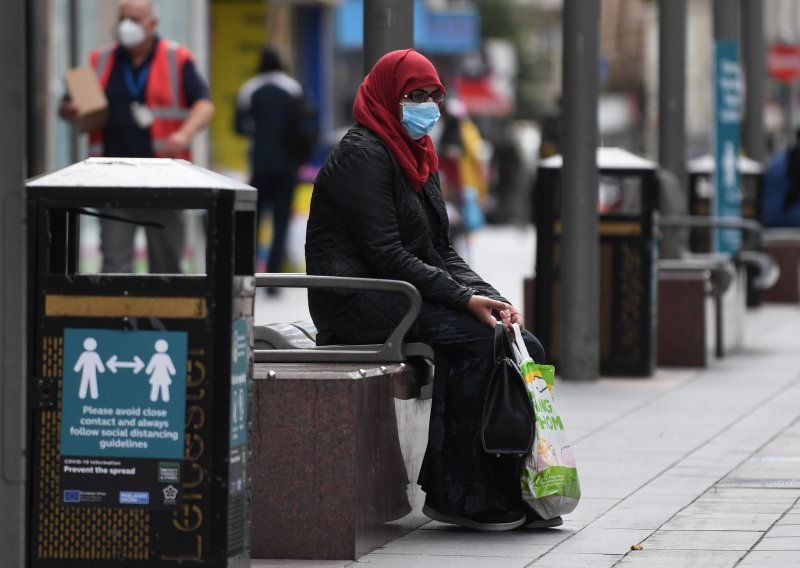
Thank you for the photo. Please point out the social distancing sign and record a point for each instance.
(123, 393)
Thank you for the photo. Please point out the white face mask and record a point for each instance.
(130, 34)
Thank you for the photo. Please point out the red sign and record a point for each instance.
(783, 62)
(482, 97)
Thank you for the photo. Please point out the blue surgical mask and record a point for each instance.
(419, 118)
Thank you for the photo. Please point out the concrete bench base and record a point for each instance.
(787, 254)
(336, 451)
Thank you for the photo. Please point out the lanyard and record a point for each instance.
(135, 88)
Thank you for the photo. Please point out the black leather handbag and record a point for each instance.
(507, 423)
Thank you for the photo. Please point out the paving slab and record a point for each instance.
(602, 540)
(431, 561)
(782, 530)
(772, 559)
(669, 485)
(702, 540)
(701, 506)
(465, 542)
(641, 511)
(680, 559)
(721, 522)
(742, 494)
(270, 563)
(790, 519)
(771, 542)
(590, 508)
(575, 560)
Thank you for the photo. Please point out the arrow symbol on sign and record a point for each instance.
(113, 364)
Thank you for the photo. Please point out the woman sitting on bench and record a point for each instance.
(377, 212)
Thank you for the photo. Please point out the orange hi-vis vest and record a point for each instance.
(164, 93)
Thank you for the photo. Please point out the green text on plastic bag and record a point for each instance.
(555, 480)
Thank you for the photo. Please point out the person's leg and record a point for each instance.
(459, 478)
(165, 243)
(266, 201)
(281, 215)
(116, 243)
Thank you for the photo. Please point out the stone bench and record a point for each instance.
(338, 435)
(761, 269)
(755, 272)
(784, 246)
(685, 328)
(722, 315)
(693, 297)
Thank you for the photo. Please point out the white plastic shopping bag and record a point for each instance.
(549, 478)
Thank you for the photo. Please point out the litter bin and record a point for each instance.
(701, 202)
(701, 193)
(627, 209)
(139, 384)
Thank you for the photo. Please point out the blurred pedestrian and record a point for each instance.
(377, 212)
(157, 102)
(272, 110)
(463, 172)
(781, 201)
(551, 131)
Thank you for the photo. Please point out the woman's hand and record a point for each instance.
(482, 307)
(511, 316)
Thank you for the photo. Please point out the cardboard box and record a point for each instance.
(86, 92)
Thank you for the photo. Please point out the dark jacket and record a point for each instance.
(365, 221)
(271, 108)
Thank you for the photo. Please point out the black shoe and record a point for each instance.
(483, 521)
(534, 521)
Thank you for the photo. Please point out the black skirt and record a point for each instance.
(458, 477)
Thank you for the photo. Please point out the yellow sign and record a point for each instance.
(124, 306)
(238, 32)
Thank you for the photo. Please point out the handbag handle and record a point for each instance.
(519, 343)
(502, 346)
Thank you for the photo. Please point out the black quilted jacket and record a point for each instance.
(365, 221)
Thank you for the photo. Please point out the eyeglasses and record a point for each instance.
(420, 96)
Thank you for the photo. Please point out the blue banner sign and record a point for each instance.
(728, 97)
(450, 31)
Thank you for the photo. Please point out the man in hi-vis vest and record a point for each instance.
(157, 102)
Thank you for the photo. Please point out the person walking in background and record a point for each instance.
(377, 211)
(781, 202)
(157, 102)
(551, 131)
(272, 110)
(463, 172)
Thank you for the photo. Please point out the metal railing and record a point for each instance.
(393, 350)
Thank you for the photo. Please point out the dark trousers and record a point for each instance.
(275, 192)
(164, 242)
(458, 477)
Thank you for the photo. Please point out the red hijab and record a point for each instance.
(376, 107)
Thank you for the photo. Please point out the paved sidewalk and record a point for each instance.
(700, 468)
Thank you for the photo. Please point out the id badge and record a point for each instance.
(142, 115)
